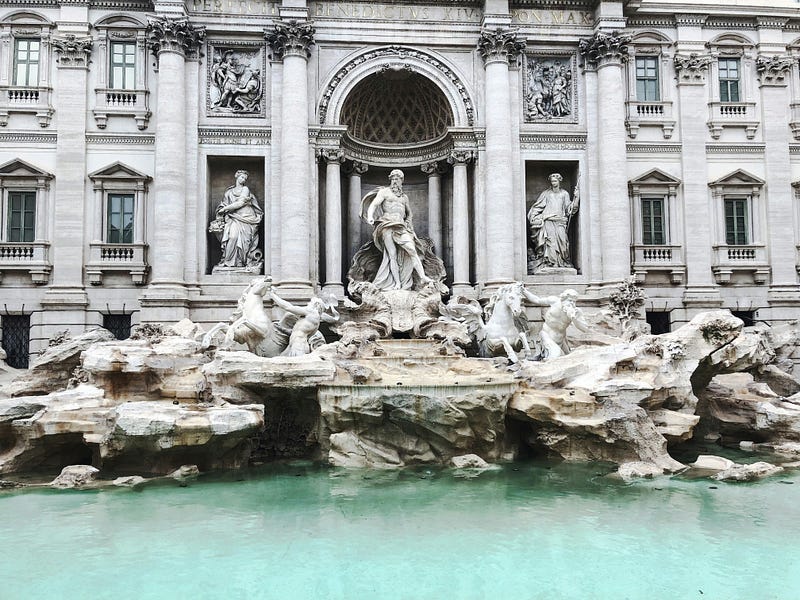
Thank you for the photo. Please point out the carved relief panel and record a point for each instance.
(235, 79)
(549, 88)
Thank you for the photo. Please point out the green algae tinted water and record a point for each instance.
(526, 531)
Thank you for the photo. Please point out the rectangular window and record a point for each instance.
(653, 222)
(21, 216)
(119, 229)
(737, 224)
(729, 79)
(26, 62)
(123, 66)
(647, 79)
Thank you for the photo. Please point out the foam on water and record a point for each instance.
(527, 531)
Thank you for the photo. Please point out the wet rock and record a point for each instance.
(75, 477)
(52, 370)
(129, 481)
(469, 461)
(709, 462)
(787, 449)
(639, 470)
(185, 474)
(350, 450)
(751, 472)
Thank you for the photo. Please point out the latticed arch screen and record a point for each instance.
(396, 108)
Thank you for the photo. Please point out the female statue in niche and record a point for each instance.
(549, 219)
(236, 225)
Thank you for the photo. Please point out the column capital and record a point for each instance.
(458, 157)
(691, 68)
(174, 34)
(331, 155)
(772, 70)
(291, 38)
(73, 51)
(357, 167)
(432, 169)
(499, 45)
(604, 49)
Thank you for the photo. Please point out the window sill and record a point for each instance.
(732, 114)
(117, 258)
(121, 103)
(751, 258)
(649, 114)
(658, 258)
(26, 256)
(18, 99)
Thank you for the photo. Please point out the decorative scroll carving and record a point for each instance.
(603, 48)
(461, 156)
(772, 70)
(331, 155)
(549, 89)
(691, 68)
(291, 38)
(168, 34)
(402, 54)
(236, 84)
(358, 167)
(432, 168)
(73, 52)
(499, 45)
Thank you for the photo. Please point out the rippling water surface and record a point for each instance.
(526, 531)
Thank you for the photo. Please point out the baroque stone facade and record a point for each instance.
(121, 131)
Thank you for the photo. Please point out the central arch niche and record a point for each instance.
(396, 108)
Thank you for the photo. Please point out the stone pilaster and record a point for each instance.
(691, 71)
(357, 169)
(461, 254)
(171, 40)
(498, 47)
(333, 158)
(291, 42)
(434, 172)
(66, 299)
(773, 74)
(606, 53)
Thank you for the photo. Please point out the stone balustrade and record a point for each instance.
(119, 258)
(32, 100)
(732, 114)
(26, 256)
(730, 259)
(130, 103)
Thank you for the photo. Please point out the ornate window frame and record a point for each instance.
(104, 256)
(750, 257)
(667, 257)
(656, 113)
(740, 114)
(18, 175)
(109, 101)
(30, 99)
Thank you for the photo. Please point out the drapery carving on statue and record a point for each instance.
(238, 216)
(549, 220)
(396, 258)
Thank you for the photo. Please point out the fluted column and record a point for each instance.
(606, 53)
(497, 47)
(434, 172)
(290, 42)
(773, 74)
(333, 158)
(461, 245)
(357, 169)
(170, 39)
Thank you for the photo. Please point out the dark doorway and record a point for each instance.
(659, 322)
(119, 325)
(748, 316)
(16, 339)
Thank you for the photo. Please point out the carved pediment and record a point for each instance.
(118, 172)
(20, 169)
(739, 177)
(120, 21)
(655, 177)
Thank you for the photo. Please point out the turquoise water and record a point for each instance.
(526, 531)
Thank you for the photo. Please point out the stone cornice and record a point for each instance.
(771, 22)
(499, 45)
(653, 148)
(233, 135)
(690, 20)
(73, 51)
(692, 68)
(27, 137)
(174, 34)
(772, 70)
(604, 48)
(291, 38)
(122, 139)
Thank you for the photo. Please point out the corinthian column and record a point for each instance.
(357, 169)
(434, 173)
(461, 254)
(170, 39)
(333, 158)
(606, 54)
(290, 42)
(497, 47)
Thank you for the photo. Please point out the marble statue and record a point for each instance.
(561, 312)
(548, 92)
(238, 216)
(549, 220)
(235, 85)
(396, 258)
(250, 323)
(306, 325)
